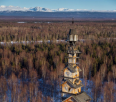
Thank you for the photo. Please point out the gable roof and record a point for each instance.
(71, 68)
(73, 85)
(81, 97)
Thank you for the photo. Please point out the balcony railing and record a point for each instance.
(73, 51)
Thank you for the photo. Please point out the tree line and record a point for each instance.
(14, 31)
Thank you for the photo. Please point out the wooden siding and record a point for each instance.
(67, 71)
(70, 60)
(64, 87)
(70, 55)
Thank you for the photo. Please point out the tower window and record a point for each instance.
(69, 89)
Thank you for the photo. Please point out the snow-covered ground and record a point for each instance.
(29, 42)
(21, 22)
(53, 90)
(46, 41)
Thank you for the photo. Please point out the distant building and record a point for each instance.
(71, 85)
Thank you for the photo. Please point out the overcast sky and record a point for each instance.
(71, 4)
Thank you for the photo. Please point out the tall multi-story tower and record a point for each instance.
(71, 85)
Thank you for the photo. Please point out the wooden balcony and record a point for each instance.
(73, 51)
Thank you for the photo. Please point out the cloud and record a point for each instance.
(2, 6)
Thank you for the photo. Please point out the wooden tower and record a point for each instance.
(71, 85)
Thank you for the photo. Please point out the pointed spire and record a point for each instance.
(72, 20)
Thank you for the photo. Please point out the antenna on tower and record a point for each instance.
(72, 20)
